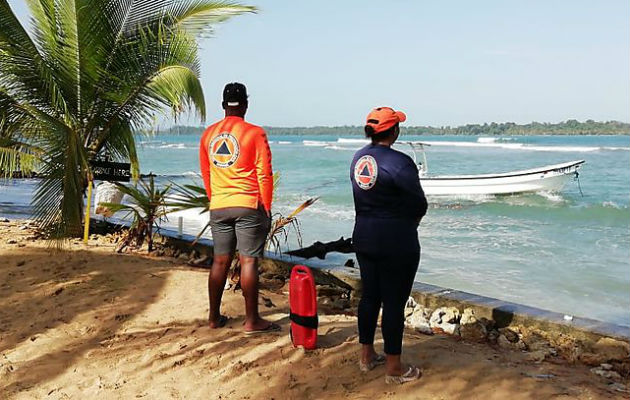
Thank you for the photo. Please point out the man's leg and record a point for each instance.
(224, 237)
(249, 285)
(216, 284)
(251, 233)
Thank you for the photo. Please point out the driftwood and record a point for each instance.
(319, 249)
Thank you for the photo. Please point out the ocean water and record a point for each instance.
(567, 252)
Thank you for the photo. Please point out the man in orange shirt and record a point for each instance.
(236, 168)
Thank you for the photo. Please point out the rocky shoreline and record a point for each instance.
(607, 357)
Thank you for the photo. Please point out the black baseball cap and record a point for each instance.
(234, 95)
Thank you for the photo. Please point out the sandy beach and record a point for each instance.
(85, 322)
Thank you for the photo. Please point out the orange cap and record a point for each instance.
(383, 118)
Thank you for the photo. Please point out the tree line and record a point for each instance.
(569, 127)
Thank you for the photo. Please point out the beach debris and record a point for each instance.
(4, 220)
(201, 261)
(619, 387)
(568, 317)
(606, 372)
(11, 241)
(445, 319)
(472, 329)
(267, 302)
(319, 249)
(539, 376)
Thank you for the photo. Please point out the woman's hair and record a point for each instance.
(369, 133)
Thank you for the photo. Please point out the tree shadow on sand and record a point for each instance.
(42, 292)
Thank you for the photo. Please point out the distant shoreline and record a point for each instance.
(565, 128)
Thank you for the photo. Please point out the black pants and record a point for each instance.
(387, 280)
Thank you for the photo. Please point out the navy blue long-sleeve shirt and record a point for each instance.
(388, 199)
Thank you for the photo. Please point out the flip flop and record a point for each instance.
(222, 321)
(412, 374)
(272, 327)
(378, 359)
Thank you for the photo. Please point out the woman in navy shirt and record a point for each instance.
(389, 204)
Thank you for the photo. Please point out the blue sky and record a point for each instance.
(444, 63)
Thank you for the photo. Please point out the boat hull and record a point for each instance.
(551, 178)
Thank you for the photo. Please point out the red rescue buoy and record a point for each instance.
(303, 303)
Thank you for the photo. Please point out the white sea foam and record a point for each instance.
(352, 141)
(283, 142)
(346, 148)
(555, 197)
(517, 146)
(317, 143)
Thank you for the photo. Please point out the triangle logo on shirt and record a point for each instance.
(365, 172)
(223, 150)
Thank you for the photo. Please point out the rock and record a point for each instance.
(475, 332)
(23, 228)
(468, 317)
(20, 263)
(340, 304)
(506, 343)
(503, 342)
(418, 320)
(488, 323)
(509, 334)
(470, 328)
(612, 375)
(537, 356)
(606, 366)
(493, 336)
(11, 241)
(451, 329)
(445, 319)
(619, 387)
(411, 303)
(611, 349)
(4, 220)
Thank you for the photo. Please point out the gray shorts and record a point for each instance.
(239, 228)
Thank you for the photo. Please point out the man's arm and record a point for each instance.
(263, 170)
(204, 164)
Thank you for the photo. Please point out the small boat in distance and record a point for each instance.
(549, 178)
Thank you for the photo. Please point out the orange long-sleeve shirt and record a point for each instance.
(235, 164)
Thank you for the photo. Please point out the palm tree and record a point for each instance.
(147, 206)
(89, 75)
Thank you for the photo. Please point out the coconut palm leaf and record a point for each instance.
(88, 75)
(147, 206)
(188, 196)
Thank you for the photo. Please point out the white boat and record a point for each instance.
(550, 178)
